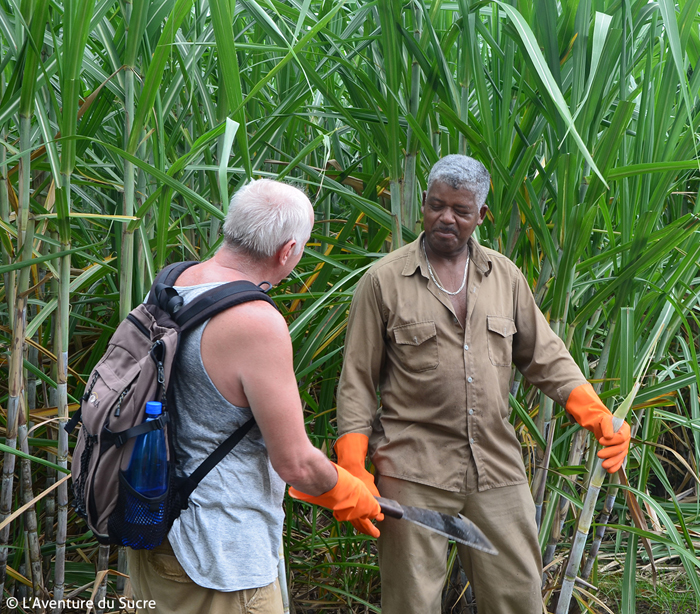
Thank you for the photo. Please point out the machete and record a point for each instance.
(458, 528)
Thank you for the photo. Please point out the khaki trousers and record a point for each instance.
(412, 560)
(158, 576)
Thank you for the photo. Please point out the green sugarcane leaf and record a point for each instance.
(156, 70)
(535, 55)
(35, 459)
(229, 135)
(668, 12)
(47, 258)
(231, 77)
(49, 143)
(137, 27)
(622, 172)
(520, 412)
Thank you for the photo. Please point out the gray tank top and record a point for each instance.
(229, 537)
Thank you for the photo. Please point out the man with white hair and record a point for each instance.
(222, 553)
(434, 327)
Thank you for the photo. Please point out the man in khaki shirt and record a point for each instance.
(434, 327)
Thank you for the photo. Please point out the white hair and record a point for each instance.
(462, 172)
(264, 215)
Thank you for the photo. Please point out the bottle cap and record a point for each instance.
(154, 408)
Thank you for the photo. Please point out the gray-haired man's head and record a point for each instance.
(462, 172)
(264, 215)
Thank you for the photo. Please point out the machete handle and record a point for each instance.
(390, 507)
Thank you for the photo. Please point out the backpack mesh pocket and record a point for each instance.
(137, 521)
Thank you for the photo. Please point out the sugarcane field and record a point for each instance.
(350, 306)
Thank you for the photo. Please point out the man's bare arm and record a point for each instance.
(248, 354)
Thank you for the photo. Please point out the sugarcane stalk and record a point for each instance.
(8, 469)
(575, 454)
(435, 133)
(603, 521)
(600, 529)
(102, 564)
(541, 422)
(50, 499)
(25, 232)
(598, 476)
(582, 528)
(127, 238)
(62, 408)
(30, 522)
(8, 278)
(77, 18)
(30, 519)
(409, 205)
(544, 456)
(542, 471)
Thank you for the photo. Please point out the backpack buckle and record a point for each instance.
(168, 299)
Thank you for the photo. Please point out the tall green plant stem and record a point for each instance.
(76, 22)
(545, 456)
(575, 453)
(582, 528)
(50, 500)
(9, 278)
(409, 204)
(62, 408)
(16, 385)
(127, 248)
(30, 521)
(600, 529)
(598, 475)
(540, 482)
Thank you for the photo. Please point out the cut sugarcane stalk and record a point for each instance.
(598, 476)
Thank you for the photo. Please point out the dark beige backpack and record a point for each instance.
(136, 369)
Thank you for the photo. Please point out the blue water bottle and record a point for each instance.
(147, 472)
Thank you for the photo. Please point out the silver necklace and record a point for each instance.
(436, 282)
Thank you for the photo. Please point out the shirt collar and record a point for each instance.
(416, 258)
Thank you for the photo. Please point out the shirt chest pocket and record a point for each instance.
(500, 340)
(416, 346)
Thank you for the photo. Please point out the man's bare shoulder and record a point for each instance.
(256, 321)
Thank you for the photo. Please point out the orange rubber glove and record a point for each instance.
(351, 449)
(588, 410)
(349, 499)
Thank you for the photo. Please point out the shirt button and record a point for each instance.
(415, 339)
(471, 411)
(469, 379)
(471, 440)
(466, 347)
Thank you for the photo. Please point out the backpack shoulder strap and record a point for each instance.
(168, 276)
(218, 299)
(162, 292)
(190, 483)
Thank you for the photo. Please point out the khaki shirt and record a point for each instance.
(444, 388)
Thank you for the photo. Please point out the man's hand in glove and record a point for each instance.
(351, 449)
(588, 410)
(350, 500)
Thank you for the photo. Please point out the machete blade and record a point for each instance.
(458, 528)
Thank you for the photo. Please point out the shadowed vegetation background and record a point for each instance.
(126, 126)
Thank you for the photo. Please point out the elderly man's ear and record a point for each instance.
(286, 251)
